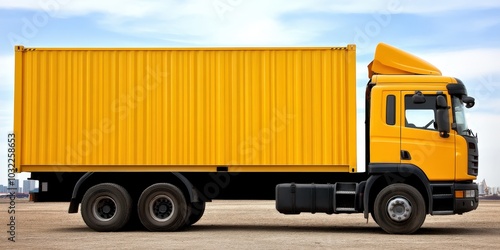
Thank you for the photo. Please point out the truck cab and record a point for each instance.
(417, 130)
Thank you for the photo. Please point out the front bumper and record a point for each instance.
(466, 204)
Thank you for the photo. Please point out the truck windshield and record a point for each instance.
(459, 109)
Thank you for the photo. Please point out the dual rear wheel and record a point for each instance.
(161, 207)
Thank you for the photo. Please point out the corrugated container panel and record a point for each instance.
(250, 109)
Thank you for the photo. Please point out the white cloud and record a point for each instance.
(483, 23)
(7, 72)
(6, 126)
(6, 108)
(432, 7)
(467, 63)
(143, 8)
(212, 22)
(6, 115)
(235, 22)
(362, 69)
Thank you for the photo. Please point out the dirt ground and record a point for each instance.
(250, 225)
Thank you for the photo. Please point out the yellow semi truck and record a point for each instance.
(148, 136)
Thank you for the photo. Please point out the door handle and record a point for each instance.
(405, 155)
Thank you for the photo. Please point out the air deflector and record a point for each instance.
(389, 60)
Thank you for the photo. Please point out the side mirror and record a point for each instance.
(418, 97)
(442, 117)
(469, 101)
(441, 102)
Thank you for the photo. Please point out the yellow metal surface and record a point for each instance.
(413, 82)
(462, 160)
(389, 60)
(250, 109)
(385, 139)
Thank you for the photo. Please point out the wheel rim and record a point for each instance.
(399, 209)
(161, 208)
(104, 208)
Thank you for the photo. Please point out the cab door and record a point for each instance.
(385, 126)
(421, 143)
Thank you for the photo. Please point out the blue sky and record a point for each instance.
(462, 38)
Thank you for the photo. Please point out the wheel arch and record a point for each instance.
(384, 174)
(134, 183)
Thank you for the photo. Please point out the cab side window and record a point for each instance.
(422, 115)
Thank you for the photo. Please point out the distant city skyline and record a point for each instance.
(28, 186)
(484, 189)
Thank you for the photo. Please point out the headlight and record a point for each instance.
(470, 193)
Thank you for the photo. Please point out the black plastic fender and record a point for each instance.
(394, 173)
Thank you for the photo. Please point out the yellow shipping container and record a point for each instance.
(185, 109)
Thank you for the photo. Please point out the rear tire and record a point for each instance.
(106, 207)
(399, 209)
(196, 211)
(162, 207)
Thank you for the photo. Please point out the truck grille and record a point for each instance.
(473, 158)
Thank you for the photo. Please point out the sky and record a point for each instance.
(461, 38)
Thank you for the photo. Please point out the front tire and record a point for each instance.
(162, 207)
(399, 209)
(106, 207)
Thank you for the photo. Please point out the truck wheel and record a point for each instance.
(106, 207)
(373, 217)
(399, 209)
(162, 207)
(196, 210)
